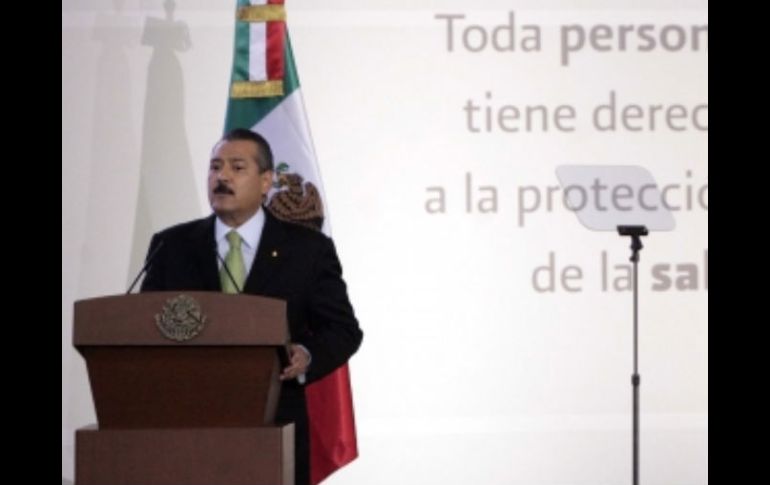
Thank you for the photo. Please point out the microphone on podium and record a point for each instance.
(147, 263)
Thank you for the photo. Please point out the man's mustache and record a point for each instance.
(223, 189)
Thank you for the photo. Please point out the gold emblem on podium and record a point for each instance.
(181, 319)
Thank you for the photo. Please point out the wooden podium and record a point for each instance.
(185, 387)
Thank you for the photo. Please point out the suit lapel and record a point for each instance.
(204, 248)
(269, 256)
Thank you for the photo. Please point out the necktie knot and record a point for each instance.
(234, 239)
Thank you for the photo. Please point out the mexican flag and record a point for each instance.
(265, 96)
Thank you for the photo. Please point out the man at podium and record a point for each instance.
(242, 247)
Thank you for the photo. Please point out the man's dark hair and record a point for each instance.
(265, 158)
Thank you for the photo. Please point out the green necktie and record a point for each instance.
(234, 262)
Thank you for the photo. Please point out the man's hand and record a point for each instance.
(299, 360)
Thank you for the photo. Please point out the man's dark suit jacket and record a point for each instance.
(292, 263)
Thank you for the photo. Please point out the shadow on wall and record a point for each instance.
(111, 165)
(114, 151)
(167, 187)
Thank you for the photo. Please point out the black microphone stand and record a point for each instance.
(635, 232)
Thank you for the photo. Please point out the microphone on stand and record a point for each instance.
(147, 263)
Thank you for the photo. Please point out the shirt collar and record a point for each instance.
(250, 231)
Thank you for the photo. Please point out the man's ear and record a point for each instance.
(266, 181)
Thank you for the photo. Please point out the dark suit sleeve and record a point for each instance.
(153, 280)
(334, 332)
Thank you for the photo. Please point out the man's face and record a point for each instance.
(236, 188)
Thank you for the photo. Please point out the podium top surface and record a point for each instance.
(144, 319)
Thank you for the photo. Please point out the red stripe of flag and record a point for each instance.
(276, 38)
(332, 424)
